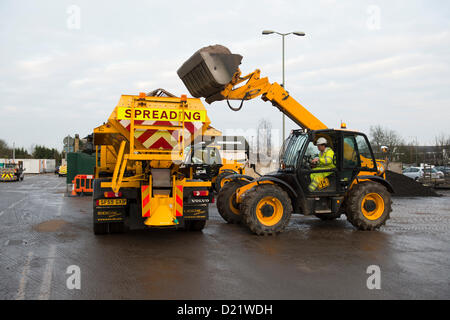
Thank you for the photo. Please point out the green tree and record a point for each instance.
(22, 153)
(5, 151)
(42, 152)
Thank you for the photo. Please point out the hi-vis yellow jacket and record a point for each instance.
(326, 159)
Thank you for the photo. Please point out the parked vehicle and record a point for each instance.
(444, 169)
(11, 171)
(62, 171)
(417, 173)
(413, 173)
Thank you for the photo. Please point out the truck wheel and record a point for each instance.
(368, 205)
(100, 228)
(219, 180)
(116, 227)
(195, 225)
(226, 202)
(266, 209)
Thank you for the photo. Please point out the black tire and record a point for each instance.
(219, 179)
(195, 225)
(328, 216)
(100, 228)
(117, 227)
(226, 204)
(354, 208)
(249, 209)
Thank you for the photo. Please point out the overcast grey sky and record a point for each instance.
(365, 62)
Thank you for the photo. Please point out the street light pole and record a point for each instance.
(283, 84)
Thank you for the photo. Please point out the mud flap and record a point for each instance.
(109, 215)
(198, 212)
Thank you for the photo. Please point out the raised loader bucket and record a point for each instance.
(208, 71)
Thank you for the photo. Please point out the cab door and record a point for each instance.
(350, 162)
(357, 156)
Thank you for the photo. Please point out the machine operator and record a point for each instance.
(322, 162)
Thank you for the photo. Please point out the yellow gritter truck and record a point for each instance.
(141, 179)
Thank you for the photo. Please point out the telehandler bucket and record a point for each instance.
(208, 71)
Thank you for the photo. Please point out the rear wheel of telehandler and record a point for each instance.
(220, 180)
(266, 209)
(226, 201)
(368, 205)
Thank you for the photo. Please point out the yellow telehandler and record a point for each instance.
(352, 181)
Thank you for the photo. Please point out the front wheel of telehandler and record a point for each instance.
(368, 205)
(266, 209)
(226, 202)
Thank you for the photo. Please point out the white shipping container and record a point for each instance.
(31, 165)
(35, 165)
(49, 165)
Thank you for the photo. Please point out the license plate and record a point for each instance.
(112, 202)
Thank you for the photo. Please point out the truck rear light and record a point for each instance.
(111, 194)
(201, 193)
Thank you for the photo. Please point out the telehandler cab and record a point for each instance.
(353, 184)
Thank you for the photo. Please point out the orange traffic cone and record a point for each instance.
(73, 190)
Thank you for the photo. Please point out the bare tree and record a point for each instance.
(382, 136)
(442, 140)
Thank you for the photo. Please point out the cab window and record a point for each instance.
(364, 152)
(350, 154)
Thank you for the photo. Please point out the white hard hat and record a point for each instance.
(321, 141)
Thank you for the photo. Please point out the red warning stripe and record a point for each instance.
(179, 201)
(145, 201)
(161, 143)
(138, 122)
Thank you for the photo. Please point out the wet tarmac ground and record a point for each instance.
(43, 234)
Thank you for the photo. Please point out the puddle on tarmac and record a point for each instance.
(50, 226)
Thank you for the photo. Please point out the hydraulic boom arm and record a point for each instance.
(213, 73)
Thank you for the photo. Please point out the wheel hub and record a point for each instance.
(267, 210)
(370, 205)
